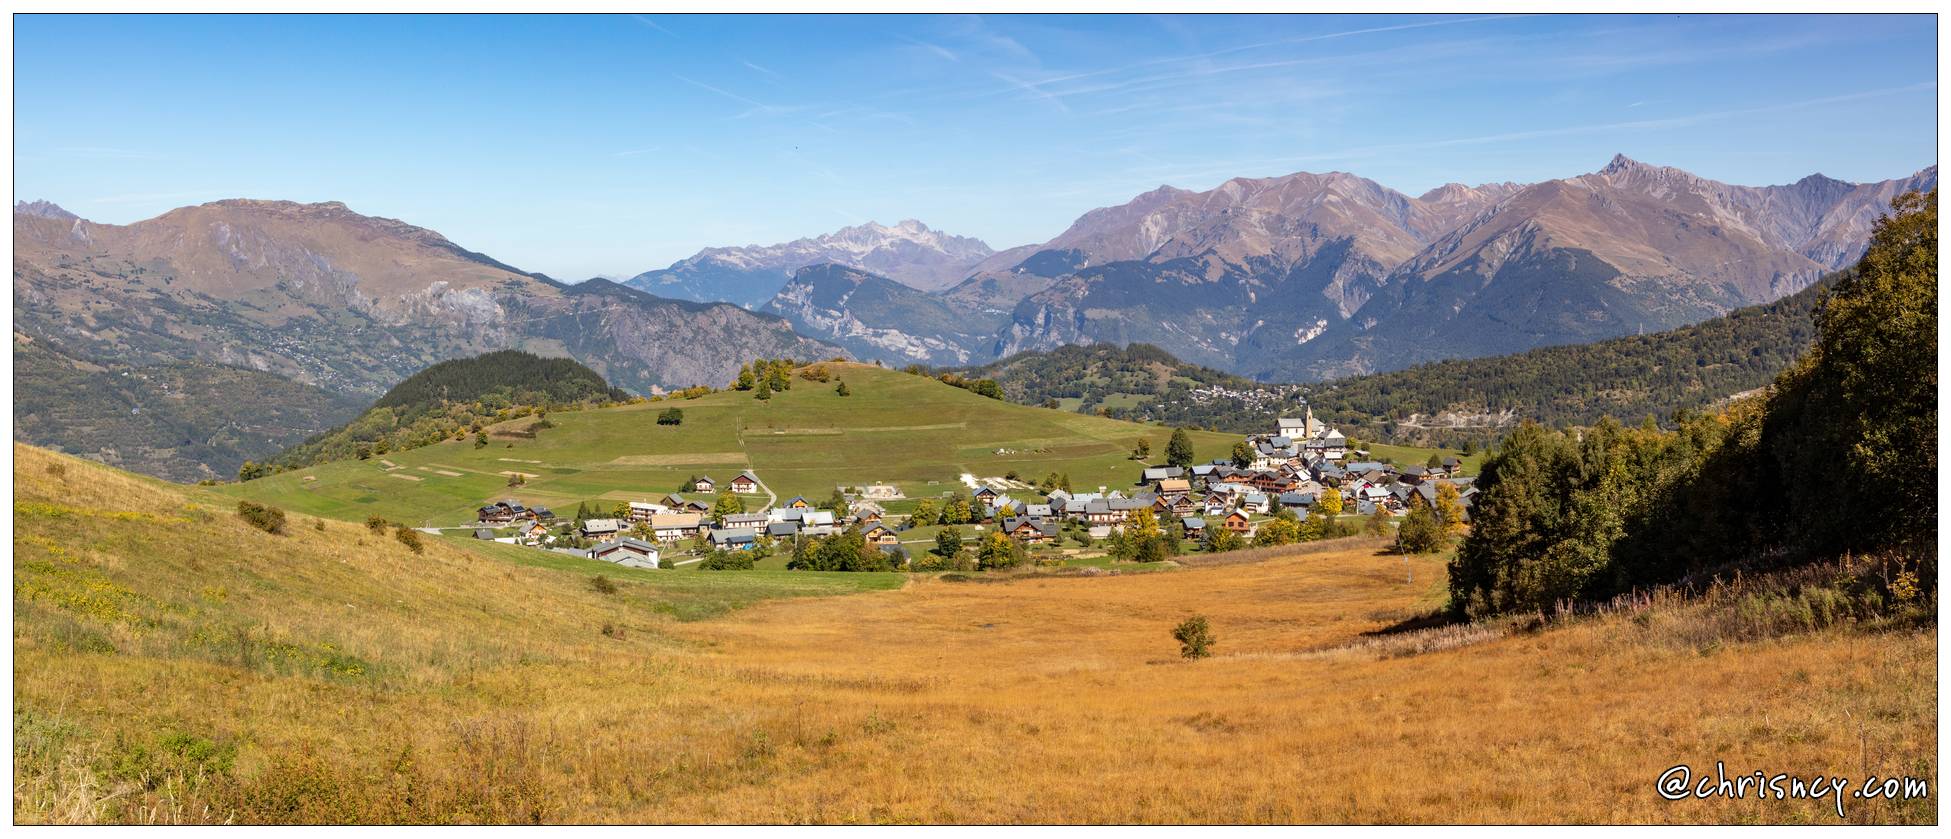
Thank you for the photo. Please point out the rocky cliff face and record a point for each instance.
(1252, 264)
(877, 318)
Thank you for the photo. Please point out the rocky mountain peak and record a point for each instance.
(43, 209)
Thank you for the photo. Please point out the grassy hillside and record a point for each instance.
(1120, 380)
(896, 428)
(172, 664)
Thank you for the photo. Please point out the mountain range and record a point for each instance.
(1308, 277)
(1296, 278)
(909, 253)
(320, 297)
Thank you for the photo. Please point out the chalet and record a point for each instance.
(1029, 530)
(1216, 504)
(672, 527)
(734, 538)
(673, 501)
(503, 512)
(782, 529)
(1256, 502)
(1270, 481)
(1154, 474)
(798, 502)
(601, 528)
(1171, 506)
(745, 520)
(1415, 474)
(1452, 465)
(1174, 487)
(1330, 444)
(878, 535)
(867, 512)
(643, 510)
(1330, 474)
(746, 483)
(1372, 494)
(816, 522)
(630, 553)
(484, 534)
(1296, 501)
(1195, 526)
(536, 531)
(1238, 522)
(984, 495)
(1073, 506)
(704, 483)
(1039, 511)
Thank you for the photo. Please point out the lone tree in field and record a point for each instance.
(948, 543)
(671, 416)
(1142, 450)
(999, 551)
(1421, 532)
(1195, 637)
(1378, 522)
(1178, 450)
(1242, 454)
(842, 389)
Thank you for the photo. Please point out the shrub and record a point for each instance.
(376, 524)
(410, 538)
(1194, 636)
(603, 585)
(727, 561)
(1421, 532)
(671, 416)
(265, 518)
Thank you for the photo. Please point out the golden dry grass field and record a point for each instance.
(172, 664)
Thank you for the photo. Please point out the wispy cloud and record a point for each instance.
(637, 152)
(941, 51)
(653, 24)
(761, 70)
(720, 91)
(1035, 89)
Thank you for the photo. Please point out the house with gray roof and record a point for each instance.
(628, 552)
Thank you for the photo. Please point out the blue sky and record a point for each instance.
(586, 145)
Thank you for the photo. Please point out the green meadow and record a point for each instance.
(897, 428)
